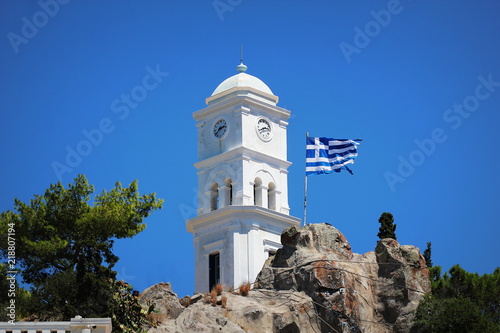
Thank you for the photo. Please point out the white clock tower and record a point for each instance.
(242, 182)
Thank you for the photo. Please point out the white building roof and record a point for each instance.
(242, 80)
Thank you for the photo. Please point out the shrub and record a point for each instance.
(244, 288)
(223, 301)
(219, 289)
(213, 295)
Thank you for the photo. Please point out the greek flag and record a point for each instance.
(324, 155)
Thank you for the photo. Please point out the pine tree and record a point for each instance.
(387, 227)
(65, 246)
(460, 302)
(427, 255)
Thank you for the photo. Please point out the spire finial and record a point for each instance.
(241, 67)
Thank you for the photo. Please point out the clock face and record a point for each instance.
(220, 128)
(264, 129)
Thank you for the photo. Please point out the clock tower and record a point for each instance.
(242, 182)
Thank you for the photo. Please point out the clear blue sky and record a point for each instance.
(419, 81)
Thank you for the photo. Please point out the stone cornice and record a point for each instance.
(275, 111)
(234, 214)
(242, 153)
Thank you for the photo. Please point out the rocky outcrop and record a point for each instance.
(259, 311)
(314, 283)
(167, 305)
(375, 292)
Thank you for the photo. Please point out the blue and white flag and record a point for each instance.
(324, 155)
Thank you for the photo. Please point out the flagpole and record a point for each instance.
(305, 188)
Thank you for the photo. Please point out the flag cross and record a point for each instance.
(325, 155)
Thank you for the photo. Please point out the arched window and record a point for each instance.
(257, 192)
(214, 196)
(228, 195)
(231, 193)
(271, 196)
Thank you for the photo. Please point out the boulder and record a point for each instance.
(167, 305)
(260, 311)
(375, 292)
(406, 279)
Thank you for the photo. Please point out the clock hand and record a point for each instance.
(265, 128)
(219, 129)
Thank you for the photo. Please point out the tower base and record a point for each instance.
(232, 243)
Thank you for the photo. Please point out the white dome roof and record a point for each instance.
(242, 80)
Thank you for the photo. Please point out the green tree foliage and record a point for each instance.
(452, 315)
(461, 302)
(427, 255)
(10, 290)
(64, 245)
(127, 312)
(387, 227)
(435, 274)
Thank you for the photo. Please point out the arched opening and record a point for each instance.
(257, 192)
(229, 192)
(271, 196)
(214, 196)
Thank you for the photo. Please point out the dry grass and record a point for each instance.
(213, 295)
(230, 289)
(223, 301)
(218, 287)
(156, 318)
(244, 288)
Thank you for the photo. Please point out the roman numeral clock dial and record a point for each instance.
(220, 129)
(264, 129)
